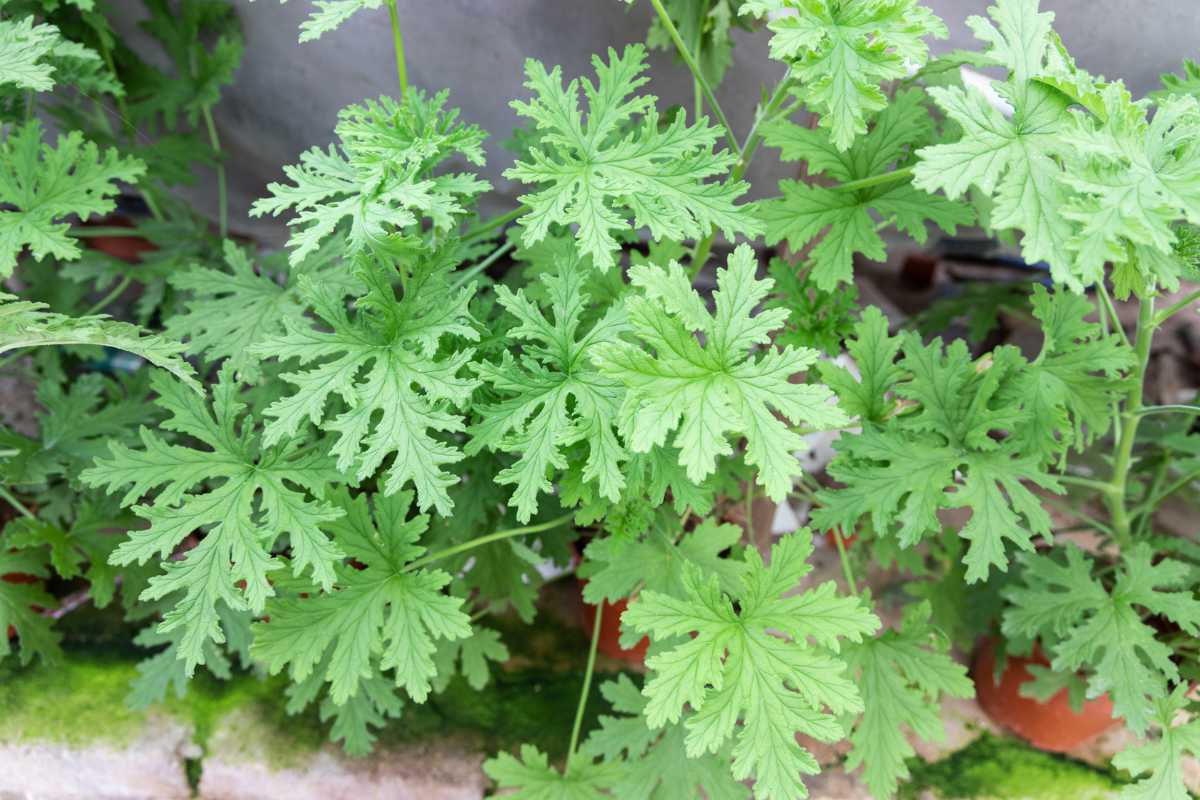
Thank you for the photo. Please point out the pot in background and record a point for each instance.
(1052, 725)
(610, 630)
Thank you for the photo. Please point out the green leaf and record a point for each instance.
(1133, 179)
(40, 185)
(386, 363)
(840, 52)
(615, 566)
(257, 494)
(1104, 631)
(230, 311)
(654, 765)
(1013, 160)
(816, 318)
(874, 353)
(551, 394)
(28, 324)
(944, 455)
(378, 614)
(532, 778)
(1163, 758)
(622, 162)
(713, 389)
(330, 14)
(381, 177)
(25, 47)
(35, 636)
(1188, 83)
(762, 655)
(846, 221)
(472, 655)
(902, 675)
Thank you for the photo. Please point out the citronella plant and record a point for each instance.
(349, 455)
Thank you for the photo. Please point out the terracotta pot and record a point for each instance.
(610, 630)
(1049, 726)
(847, 541)
(126, 248)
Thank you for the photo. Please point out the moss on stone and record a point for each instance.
(1005, 769)
(75, 701)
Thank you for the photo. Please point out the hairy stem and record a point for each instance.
(475, 269)
(749, 148)
(847, 569)
(103, 302)
(1123, 454)
(398, 46)
(895, 176)
(222, 190)
(497, 536)
(92, 232)
(1174, 309)
(587, 687)
(484, 228)
(697, 74)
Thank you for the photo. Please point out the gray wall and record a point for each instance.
(288, 94)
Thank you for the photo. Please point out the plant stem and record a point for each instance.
(18, 505)
(1123, 455)
(398, 46)
(896, 175)
(749, 148)
(1157, 497)
(1172, 310)
(475, 269)
(1178, 408)
(495, 222)
(847, 570)
(1102, 291)
(103, 302)
(587, 688)
(488, 539)
(1100, 486)
(222, 190)
(697, 73)
(1078, 513)
(91, 232)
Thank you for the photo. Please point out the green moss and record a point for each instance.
(75, 701)
(1006, 769)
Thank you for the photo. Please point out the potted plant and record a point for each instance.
(350, 462)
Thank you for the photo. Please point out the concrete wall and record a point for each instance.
(287, 95)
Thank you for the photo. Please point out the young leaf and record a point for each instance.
(1090, 626)
(378, 614)
(40, 185)
(231, 311)
(621, 162)
(874, 353)
(27, 324)
(1163, 759)
(551, 395)
(761, 655)
(902, 674)
(655, 765)
(380, 177)
(25, 47)
(385, 362)
(713, 389)
(846, 221)
(840, 51)
(1012, 159)
(260, 494)
(532, 778)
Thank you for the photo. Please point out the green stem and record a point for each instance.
(1099, 486)
(475, 269)
(1123, 455)
(222, 190)
(103, 302)
(90, 232)
(19, 506)
(587, 688)
(847, 570)
(1152, 503)
(398, 46)
(1078, 513)
(1169, 408)
(488, 539)
(1102, 291)
(896, 175)
(749, 148)
(697, 73)
(1174, 309)
(487, 227)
